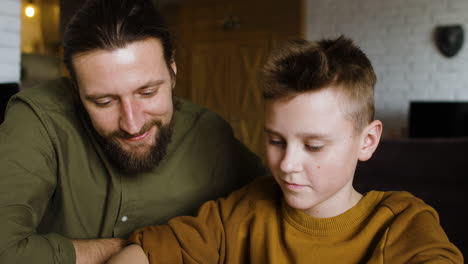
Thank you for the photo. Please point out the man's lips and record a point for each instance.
(139, 137)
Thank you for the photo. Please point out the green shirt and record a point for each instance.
(57, 184)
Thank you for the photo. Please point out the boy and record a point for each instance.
(319, 123)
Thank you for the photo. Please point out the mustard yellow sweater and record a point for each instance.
(254, 225)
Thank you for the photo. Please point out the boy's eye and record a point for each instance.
(276, 142)
(314, 147)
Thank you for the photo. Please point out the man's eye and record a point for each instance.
(148, 92)
(102, 103)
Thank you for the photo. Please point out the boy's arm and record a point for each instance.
(203, 238)
(131, 254)
(417, 237)
(200, 238)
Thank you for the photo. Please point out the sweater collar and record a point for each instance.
(337, 224)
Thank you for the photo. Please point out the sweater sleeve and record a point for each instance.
(27, 181)
(185, 239)
(203, 238)
(416, 235)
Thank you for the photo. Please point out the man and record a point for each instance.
(85, 162)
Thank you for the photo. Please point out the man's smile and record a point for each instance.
(138, 137)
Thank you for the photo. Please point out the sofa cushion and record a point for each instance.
(435, 170)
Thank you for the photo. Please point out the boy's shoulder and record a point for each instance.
(402, 202)
(262, 188)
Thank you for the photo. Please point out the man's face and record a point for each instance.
(312, 150)
(127, 93)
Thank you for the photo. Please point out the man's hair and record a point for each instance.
(113, 24)
(301, 66)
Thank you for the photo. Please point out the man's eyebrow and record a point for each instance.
(92, 97)
(151, 83)
(144, 86)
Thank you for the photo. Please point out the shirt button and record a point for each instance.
(124, 218)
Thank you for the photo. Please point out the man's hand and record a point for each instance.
(133, 254)
(96, 251)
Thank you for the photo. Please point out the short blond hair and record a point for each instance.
(301, 66)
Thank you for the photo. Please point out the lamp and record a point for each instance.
(30, 9)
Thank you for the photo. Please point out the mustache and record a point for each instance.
(144, 129)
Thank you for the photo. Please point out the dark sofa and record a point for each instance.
(435, 170)
(7, 90)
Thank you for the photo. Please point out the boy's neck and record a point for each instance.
(336, 205)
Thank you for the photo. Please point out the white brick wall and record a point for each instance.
(397, 37)
(10, 17)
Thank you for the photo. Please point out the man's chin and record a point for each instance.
(138, 153)
(134, 158)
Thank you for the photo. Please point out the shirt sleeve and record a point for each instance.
(417, 237)
(27, 183)
(235, 162)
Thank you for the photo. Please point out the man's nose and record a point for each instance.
(291, 161)
(131, 117)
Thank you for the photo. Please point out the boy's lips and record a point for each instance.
(293, 186)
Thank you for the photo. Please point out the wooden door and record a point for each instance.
(221, 47)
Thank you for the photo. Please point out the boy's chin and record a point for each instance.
(299, 203)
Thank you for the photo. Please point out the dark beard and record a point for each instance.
(128, 162)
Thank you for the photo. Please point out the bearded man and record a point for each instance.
(85, 161)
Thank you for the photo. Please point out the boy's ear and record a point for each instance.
(370, 140)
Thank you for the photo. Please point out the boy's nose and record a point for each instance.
(131, 118)
(291, 162)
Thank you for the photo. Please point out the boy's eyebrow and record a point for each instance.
(146, 85)
(301, 135)
(314, 135)
(270, 131)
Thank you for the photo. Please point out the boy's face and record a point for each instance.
(312, 150)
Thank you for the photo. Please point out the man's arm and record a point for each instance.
(131, 254)
(27, 182)
(97, 251)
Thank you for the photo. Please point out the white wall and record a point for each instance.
(397, 37)
(10, 17)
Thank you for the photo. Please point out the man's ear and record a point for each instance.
(174, 71)
(370, 140)
(174, 67)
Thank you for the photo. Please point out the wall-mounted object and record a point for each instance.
(30, 9)
(449, 39)
(231, 23)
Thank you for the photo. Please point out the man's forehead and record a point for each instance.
(132, 67)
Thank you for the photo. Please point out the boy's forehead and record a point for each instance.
(312, 102)
(316, 112)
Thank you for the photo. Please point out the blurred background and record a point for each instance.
(221, 44)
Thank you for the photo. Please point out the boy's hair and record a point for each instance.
(113, 24)
(301, 66)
